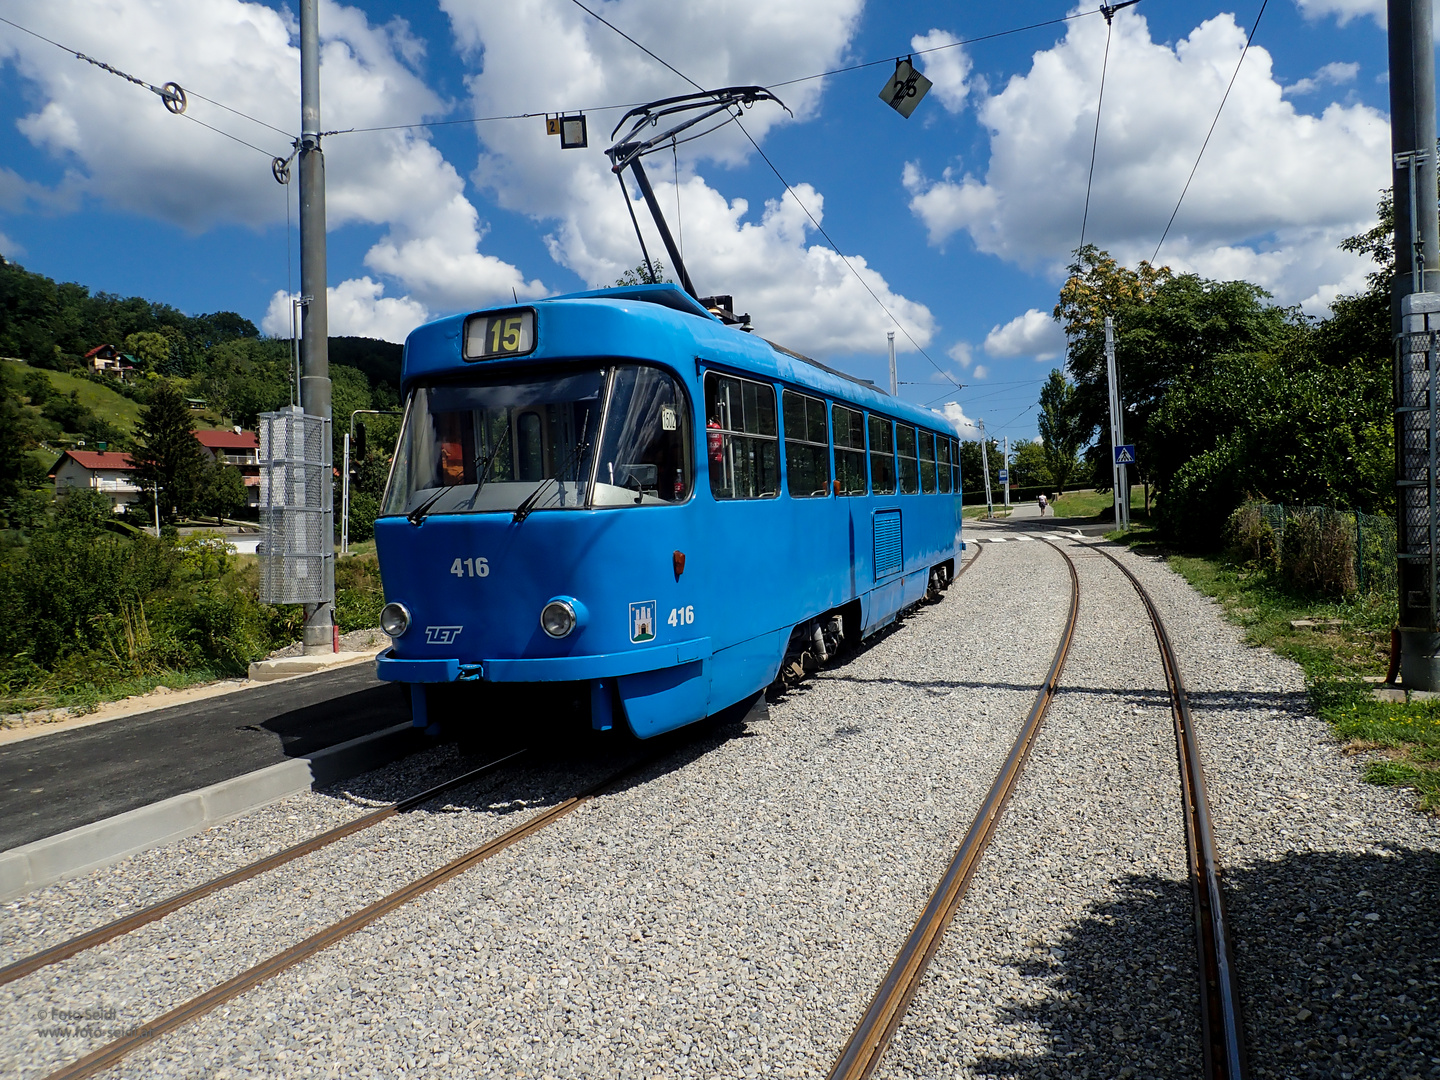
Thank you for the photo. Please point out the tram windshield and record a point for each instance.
(538, 444)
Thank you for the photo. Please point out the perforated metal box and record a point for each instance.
(297, 560)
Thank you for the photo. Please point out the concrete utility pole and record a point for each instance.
(1415, 318)
(894, 380)
(314, 319)
(1006, 484)
(985, 470)
(1117, 430)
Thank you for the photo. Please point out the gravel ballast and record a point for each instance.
(731, 910)
(1073, 952)
(1331, 883)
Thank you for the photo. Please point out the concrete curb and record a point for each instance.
(80, 850)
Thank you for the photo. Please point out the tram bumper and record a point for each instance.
(659, 687)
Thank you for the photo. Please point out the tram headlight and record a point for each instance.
(394, 619)
(562, 616)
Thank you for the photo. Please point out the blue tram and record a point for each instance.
(619, 492)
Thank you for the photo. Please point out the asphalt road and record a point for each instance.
(58, 782)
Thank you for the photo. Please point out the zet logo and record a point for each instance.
(642, 621)
(442, 635)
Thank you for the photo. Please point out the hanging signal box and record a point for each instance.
(571, 129)
(905, 88)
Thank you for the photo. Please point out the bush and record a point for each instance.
(1318, 553)
(1250, 538)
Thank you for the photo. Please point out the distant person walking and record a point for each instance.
(1043, 503)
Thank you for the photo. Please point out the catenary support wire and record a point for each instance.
(1213, 122)
(790, 191)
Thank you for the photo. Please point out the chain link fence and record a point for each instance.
(1318, 549)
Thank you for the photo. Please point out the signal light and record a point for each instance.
(572, 130)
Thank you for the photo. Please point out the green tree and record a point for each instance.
(151, 348)
(167, 452)
(37, 388)
(221, 491)
(1168, 330)
(972, 478)
(1063, 430)
(1029, 466)
(641, 275)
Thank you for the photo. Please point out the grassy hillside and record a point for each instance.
(102, 401)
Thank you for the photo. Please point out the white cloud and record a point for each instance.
(966, 427)
(357, 308)
(981, 371)
(962, 352)
(121, 147)
(1277, 188)
(1333, 74)
(948, 69)
(1343, 10)
(10, 248)
(797, 290)
(1033, 334)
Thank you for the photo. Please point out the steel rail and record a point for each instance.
(1221, 1022)
(101, 934)
(867, 1043)
(112, 1052)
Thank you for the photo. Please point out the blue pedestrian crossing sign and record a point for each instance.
(1125, 454)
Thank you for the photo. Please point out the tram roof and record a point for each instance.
(649, 322)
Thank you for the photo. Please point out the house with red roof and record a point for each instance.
(107, 471)
(107, 358)
(113, 473)
(238, 448)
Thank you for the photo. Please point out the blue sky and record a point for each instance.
(960, 218)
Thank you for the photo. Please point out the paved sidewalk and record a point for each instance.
(71, 778)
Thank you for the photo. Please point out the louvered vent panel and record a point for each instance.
(888, 557)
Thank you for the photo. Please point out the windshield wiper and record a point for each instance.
(523, 510)
(489, 464)
(416, 516)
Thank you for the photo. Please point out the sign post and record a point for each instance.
(1117, 431)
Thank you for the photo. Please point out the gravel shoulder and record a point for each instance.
(729, 913)
(1073, 954)
(1330, 882)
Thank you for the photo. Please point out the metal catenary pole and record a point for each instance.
(1415, 319)
(894, 378)
(314, 320)
(1006, 466)
(985, 470)
(1117, 472)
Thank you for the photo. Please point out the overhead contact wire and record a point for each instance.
(1230, 86)
(1095, 141)
(103, 66)
(791, 191)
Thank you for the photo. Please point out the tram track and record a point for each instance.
(868, 1042)
(154, 912)
(114, 1051)
(1222, 1032)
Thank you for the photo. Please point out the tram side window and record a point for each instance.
(927, 463)
(807, 446)
(905, 458)
(882, 455)
(955, 465)
(849, 449)
(942, 462)
(645, 457)
(742, 438)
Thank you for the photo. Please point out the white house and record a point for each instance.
(109, 472)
